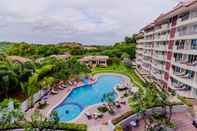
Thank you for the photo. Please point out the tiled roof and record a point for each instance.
(87, 58)
(19, 59)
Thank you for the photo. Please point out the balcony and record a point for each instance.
(147, 54)
(185, 51)
(182, 89)
(186, 47)
(160, 47)
(149, 33)
(163, 27)
(140, 41)
(185, 65)
(157, 75)
(183, 79)
(190, 20)
(159, 57)
(158, 66)
(186, 32)
(139, 51)
(147, 61)
(147, 47)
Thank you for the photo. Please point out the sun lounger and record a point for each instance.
(65, 86)
(88, 115)
(45, 98)
(117, 104)
(53, 92)
(60, 87)
(70, 83)
(97, 115)
(123, 102)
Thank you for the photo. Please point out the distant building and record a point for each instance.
(167, 49)
(95, 60)
(65, 56)
(19, 59)
(89, 48)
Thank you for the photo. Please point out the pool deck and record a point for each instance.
(55, 100)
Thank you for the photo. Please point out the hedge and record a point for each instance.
(122, 117)
(59, 126)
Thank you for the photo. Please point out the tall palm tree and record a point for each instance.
(8, 78)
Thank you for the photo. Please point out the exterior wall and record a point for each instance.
(168, 51)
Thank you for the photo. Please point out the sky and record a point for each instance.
(101, 22)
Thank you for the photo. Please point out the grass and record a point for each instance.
(121, 69)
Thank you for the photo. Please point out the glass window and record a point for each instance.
(194, 44)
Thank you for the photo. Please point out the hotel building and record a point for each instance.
(167, 49)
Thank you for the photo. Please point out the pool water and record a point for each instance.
(84, 96)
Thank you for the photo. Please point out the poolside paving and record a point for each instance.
(101, 122)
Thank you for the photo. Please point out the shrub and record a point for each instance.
(118, 128)
(5, 102)
(102, 109)
(42, 105)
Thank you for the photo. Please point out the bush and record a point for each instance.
(42, 105)
(118, 128)
(102, 109)
(59, 126)
(5, 102)
(173, 93)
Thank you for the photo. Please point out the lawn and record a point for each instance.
(121, 69)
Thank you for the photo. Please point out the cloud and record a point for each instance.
(86, 21)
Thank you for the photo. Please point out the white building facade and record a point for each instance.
(167, 49)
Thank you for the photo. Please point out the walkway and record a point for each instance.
(183, 122)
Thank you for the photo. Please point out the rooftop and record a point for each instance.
(87, 58)
(19, 59)
(66, 55)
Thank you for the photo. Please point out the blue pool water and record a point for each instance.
(84, 96)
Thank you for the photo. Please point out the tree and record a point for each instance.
(129, 40)
(109, 99)
(8, 77)
(147, 98)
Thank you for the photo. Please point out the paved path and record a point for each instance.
(183, 121)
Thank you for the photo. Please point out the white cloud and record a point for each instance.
(87, 21)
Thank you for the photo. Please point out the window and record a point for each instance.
(194, 44)
(193, 14)
(184, 16)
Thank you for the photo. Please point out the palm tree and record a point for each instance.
(8, 78)
(109, 99)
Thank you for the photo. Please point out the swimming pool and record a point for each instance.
(84, 96)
